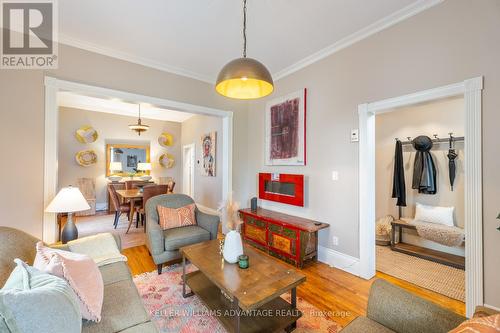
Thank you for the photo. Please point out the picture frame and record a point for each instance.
(286, 129)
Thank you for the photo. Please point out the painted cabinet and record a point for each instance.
(292, 239)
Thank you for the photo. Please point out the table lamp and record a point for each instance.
(114, 168)
(68, 200)
(143, 167)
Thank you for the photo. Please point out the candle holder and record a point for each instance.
(243, 261)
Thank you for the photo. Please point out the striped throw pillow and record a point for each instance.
(176, 217)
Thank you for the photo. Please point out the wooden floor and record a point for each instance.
(339, 293)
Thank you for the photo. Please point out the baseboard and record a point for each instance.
(207, 210)
(100, 206)
(492, 307)
(338, 260)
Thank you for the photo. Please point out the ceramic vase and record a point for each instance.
(233, 247)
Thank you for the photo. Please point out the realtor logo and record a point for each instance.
(29, 34)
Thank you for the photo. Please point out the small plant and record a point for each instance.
(230, 215)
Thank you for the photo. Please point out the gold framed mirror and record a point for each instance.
(123, 159)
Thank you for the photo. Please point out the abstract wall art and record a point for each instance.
(286, 130)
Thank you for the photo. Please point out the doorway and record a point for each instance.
(188, 162)
(470, 90)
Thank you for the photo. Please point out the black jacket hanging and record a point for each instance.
(398, 182)
(424, 170)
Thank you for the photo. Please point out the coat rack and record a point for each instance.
(436, 139)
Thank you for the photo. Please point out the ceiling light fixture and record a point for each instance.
(244, 78)
(139, 127)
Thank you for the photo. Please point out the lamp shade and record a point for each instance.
(144, 166)
(68, 200)
(244, 78)
(115, 166)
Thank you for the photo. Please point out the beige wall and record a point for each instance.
(440, 117)
(448, 43)
(207, 190)
(111, 128)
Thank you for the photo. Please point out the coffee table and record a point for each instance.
(243, 300)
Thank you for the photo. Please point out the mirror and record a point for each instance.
(128, 156)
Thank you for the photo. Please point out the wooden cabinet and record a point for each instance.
(292, 239)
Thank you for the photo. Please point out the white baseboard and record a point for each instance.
(100, 206)
(492, 307)
(338, 260)
(207, 210)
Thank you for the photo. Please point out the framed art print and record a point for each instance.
(286, 129)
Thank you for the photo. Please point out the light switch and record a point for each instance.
(355, 135)
(335, 175)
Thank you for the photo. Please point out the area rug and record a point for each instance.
(440, 278)
(91, 225)
(171, 313)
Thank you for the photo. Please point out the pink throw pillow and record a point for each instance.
(82, 275)
(176, 217)
(490, 324)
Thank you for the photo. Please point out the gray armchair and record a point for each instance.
(164, 245)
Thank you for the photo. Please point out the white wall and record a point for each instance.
(207, 190)
(441, 117)
(111, 128)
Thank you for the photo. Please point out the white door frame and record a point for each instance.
(185, 181)
(471, 91)
(53, 85)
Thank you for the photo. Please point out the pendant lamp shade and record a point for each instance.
(139, 127)
(244, 78)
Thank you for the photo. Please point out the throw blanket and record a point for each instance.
(101, 248)
(442, 234)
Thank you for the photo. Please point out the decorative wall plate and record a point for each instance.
(86, 134)
(86, 157)
(167, 160)
(166, 139)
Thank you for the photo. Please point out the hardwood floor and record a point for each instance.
(341, 295)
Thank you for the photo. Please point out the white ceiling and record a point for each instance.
(114, 106)
(197, 37)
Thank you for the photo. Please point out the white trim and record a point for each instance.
(207, 210)
(491, 307)
(471, 90)
(384, 23)
(185, 181)
(88, 46)
(101, 206)
(53, 85)
(338, 260)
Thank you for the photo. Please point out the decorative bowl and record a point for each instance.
(145, 178)
(115, 178)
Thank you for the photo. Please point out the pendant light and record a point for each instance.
(244, 78)
(139, 127)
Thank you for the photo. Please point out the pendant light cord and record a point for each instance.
(139, 112)
(244, 28)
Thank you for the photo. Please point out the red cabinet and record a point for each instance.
(290, 238)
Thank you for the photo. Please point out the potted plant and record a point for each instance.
(233, 246)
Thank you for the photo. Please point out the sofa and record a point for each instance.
(122, 310)
(392, 309)
(164, 245)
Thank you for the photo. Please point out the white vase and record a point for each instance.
(233, 247)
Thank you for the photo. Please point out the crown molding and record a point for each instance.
(67, 40)
(384, 23)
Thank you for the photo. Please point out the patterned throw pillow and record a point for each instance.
(176, 217)
(490, 324)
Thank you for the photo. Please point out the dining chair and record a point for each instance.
(119, 206)
(149, 192)
(171, 185)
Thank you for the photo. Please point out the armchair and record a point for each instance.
(164, 245)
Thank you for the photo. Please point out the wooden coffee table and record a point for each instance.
(243, 300)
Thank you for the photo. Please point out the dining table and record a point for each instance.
(132, 195)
